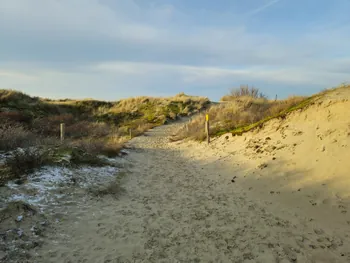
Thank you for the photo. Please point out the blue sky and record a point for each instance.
(112, 49)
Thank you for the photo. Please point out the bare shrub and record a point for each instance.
(14, 135)
(23, 161)
(78, 130)
(99, 130)
(14, 117)
(50, 126)
(109, 147)
(244, 91)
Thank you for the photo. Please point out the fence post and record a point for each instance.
(62, 131)
(207, 127)
(130, 133)
(276, 98)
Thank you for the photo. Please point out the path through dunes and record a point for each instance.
(178, 209)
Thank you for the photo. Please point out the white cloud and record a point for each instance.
(202, 74)
(74, 45)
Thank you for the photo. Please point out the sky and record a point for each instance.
(113, 49)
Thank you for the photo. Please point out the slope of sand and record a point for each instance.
(302, 162)
(181, 203)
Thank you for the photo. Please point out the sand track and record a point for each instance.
(178, 209)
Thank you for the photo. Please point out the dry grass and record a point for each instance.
(93, 127)
(110, 146)
(14, 135)
(236, 114)
(13, 95)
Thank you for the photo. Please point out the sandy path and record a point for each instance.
(176, 209)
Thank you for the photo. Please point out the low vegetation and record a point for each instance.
(113, 189)
(93, 127)
(242, 110)
(244, 91)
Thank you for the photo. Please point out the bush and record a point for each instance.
(14, 135)
(244, 91)
(14, 117)
(50, 126)
(79, 156)
(78, 130)
(109, 147)
(23, 161)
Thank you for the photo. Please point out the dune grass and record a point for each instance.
(242, 110)
(93, 127)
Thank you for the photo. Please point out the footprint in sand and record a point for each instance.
(343, 208)
(312, 202)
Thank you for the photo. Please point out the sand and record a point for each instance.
(279, 194)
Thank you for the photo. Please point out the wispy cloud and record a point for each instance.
(16, 75)
(262, 8)
(130, 47)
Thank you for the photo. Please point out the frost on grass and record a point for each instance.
(30, 208)
(49, 186)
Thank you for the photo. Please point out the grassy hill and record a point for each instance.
(92, 127)
(242, 110)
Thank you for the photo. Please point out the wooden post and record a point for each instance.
(207, 127)
(130, 132)
(62, 131)
(276, 98)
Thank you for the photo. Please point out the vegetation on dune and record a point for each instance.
(93, 127)
(244, 91)
(240, 111)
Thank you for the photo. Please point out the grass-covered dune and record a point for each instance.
(92, 127)
(242, 110)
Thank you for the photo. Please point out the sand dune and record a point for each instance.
(275, 195)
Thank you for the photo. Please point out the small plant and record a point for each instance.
(114, 189)
(79, 156)
(24, 161)
(244, 91)
(14, 135)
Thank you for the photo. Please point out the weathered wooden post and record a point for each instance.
(62, 131)
(130, 133)
(276, 98)
(207, 127)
